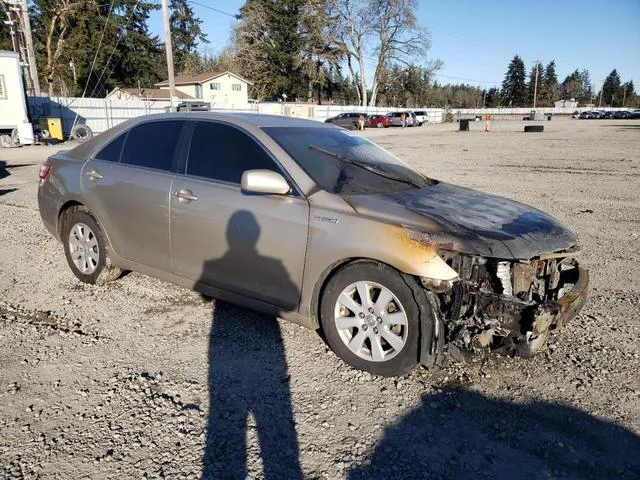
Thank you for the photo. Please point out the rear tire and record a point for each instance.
(86, 248)
(379, 334)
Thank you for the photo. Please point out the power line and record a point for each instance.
(95, 57)
(466, 79)
(236, 16)
(122, 34)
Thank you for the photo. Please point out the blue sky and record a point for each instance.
(476, 39)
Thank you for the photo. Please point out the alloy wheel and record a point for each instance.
(371, 321)
(83, 248)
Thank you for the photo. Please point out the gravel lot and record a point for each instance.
(142, 379)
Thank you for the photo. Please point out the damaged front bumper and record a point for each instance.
(535, 325)
(512, 306)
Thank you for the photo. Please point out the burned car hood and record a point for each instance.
(469, 221)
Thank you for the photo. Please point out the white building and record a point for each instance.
(13, 105)
(149, 94)
(224, 89)
(571, 103)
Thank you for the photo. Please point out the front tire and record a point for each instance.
(371, 320)
(85, 247)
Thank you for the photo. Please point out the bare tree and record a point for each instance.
(353, 28)
(399, 39)
(389, 27)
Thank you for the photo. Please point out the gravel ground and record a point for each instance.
(142, 379)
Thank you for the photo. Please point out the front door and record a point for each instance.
(250, 244)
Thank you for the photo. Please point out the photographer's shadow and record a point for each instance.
(248, 375)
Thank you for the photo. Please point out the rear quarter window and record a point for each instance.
(112, 150)
(153, 145)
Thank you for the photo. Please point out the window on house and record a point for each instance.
(236, 87)
(214, 86)
(3, 90)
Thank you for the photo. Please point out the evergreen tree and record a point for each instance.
(549, 87)
(492, 98)
(610, 89)
(586, 93)
(128, 54)
(514, 90)
(268, 47)
(5, 34)
(186, 36)
(571, 86)
(626, 94)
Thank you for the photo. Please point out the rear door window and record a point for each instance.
(153, 145)
(221, 152)
(111, 151)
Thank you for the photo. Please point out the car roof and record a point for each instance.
(254, 119)
(243, 120)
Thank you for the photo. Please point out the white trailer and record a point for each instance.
(13, 104)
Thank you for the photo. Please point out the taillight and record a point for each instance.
(45, 168)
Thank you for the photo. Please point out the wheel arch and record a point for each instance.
(75, 205)
(431, 336)
(70, 205)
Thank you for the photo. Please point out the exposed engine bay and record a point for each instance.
(507, 305)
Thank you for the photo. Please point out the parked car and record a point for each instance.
(421, 116)
(635, 114)
(348, 120)
(305, 221)
(591, 115)
(621, 114)
(379, 121)
(414, 119)
(395, 119)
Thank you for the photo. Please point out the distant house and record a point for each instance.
(13, 105)
(224, 89)
(119, 93)
(571, 103)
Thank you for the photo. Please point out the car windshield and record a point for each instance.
(344, 163)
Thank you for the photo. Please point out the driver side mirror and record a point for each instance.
(264, 181)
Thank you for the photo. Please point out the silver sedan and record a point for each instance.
(312, 223)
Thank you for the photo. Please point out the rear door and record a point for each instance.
(344, 120)
(246, 243)
(148, 165)
(134, 195)
(98, 185)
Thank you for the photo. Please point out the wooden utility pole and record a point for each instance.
(624, 95)
(169, 49)
(31, 56)
(18, 16)
(601, 90)
(535, 86)
(9, 21)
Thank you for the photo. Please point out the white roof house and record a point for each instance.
(150, 94)
(225, 89)
(13, 104)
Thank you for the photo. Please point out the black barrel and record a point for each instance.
(464, 125)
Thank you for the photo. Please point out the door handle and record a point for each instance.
(185, 196)
(93, 175)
